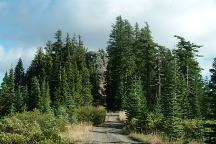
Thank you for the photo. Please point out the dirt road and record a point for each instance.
(111, 132)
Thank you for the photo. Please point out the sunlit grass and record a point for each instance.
(157, 139)
(153, 139)
(122, 116)
(78, 133)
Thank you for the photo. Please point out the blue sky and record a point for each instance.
(26, 25)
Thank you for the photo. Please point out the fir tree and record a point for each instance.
(5, 95)
(133, 100)
(114, 56)
(186, 54)
(86, 98)
(210, 108)
(35, 94)
(21, 96)
(121, 64)
(19, 74)
(56, 75)
(11, 85)
(44, 99)
(146, 63)
(8, 98)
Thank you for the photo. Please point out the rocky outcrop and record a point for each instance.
(98, 60)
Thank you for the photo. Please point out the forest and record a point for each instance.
(160, 89)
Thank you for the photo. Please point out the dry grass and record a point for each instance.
(157, 139)
(153, 139)
(78, 133)
(122, 116)
(196, 142)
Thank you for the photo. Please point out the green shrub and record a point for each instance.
(95, 115)
(61, 112)
(132, 125)
(31, 127)
(209, 131)
(192, 129)
(7, 138)
(154, 122)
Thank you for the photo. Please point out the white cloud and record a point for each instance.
(32, 23)
(9, 58)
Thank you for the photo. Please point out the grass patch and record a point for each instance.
(153, 139)
(78, 133)
(122, 117)
(157, 139)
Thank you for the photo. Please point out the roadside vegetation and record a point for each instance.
(31, 127)
(160, 138)
(78, 133)
(37, 127)
(160, 89)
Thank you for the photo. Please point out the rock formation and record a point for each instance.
(98, 60)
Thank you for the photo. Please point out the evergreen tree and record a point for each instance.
(21, 96)
(11, 85)
(170, 94)
(44, 99)
(210, 106)
(19, 74)
(146, 63)
(20, 89)
(166, 82)
(71, 71)
(206, 100)
(7, 99)
(114, 55)
(121, 64)
(5, 96)
(48, 59)
(127, 65)
(67, 49)
(212, 91)
(186, 54)
(35, 95)
(64, 88)
(133, 101)
(56, 75)
(94, 82)
(180, 100)
(86, 98)
(37, 67)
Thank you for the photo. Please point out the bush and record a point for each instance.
(132, 125)
(210, 131)
(192, 129)
(95, 115)
(7, 138)
(154, 122)
(31, 127)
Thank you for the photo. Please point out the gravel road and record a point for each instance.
(111, 132)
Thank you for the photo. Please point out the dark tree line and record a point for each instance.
(159, 88)
(57, 80)
(209, 105)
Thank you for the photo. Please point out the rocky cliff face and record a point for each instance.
(98, 60)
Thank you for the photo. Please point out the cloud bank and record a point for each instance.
(28, 24)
